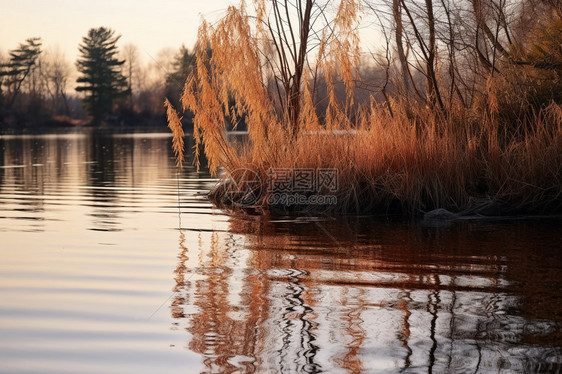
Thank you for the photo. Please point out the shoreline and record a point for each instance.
(478, 209)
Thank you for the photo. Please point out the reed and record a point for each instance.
(174, 123)
(410, 159)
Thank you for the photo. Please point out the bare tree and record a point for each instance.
(399, 40)
(131, 69)
(151, 80)
(56, 71)
(291, 34)
(280, 43)
(3, 61)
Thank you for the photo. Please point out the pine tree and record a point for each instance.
(101, 77)
(184, 63)
(21, 63)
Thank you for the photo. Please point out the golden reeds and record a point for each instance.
(174, 123)
(411, 160)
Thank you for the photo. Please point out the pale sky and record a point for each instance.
(150, 24)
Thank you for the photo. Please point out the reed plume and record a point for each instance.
(174, 123)
(403, 156)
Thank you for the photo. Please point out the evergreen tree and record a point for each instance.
(101, 77)
(184, 63)
(21, 63)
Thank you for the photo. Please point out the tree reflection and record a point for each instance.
(283, 297)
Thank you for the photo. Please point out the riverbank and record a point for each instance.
(476, 134)
(405, 166)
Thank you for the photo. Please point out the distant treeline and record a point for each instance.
(109, 86)
(440, 54)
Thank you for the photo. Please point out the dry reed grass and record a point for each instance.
(390, 165)
(410, 161)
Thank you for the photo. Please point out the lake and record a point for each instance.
(114, 261)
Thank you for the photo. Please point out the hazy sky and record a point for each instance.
(150, 24)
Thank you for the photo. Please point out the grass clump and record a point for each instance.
(403, 155)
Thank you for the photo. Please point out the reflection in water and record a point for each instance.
(91, 251)
(101, 172)
(283, 297)
(87, 247)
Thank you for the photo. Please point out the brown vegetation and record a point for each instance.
(484, 137)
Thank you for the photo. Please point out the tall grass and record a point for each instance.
(410, 165)
(409, 159)
(395, 165)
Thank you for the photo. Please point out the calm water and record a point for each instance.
(100, 273)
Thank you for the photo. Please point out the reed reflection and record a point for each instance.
(224, 323)
(283, 297)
